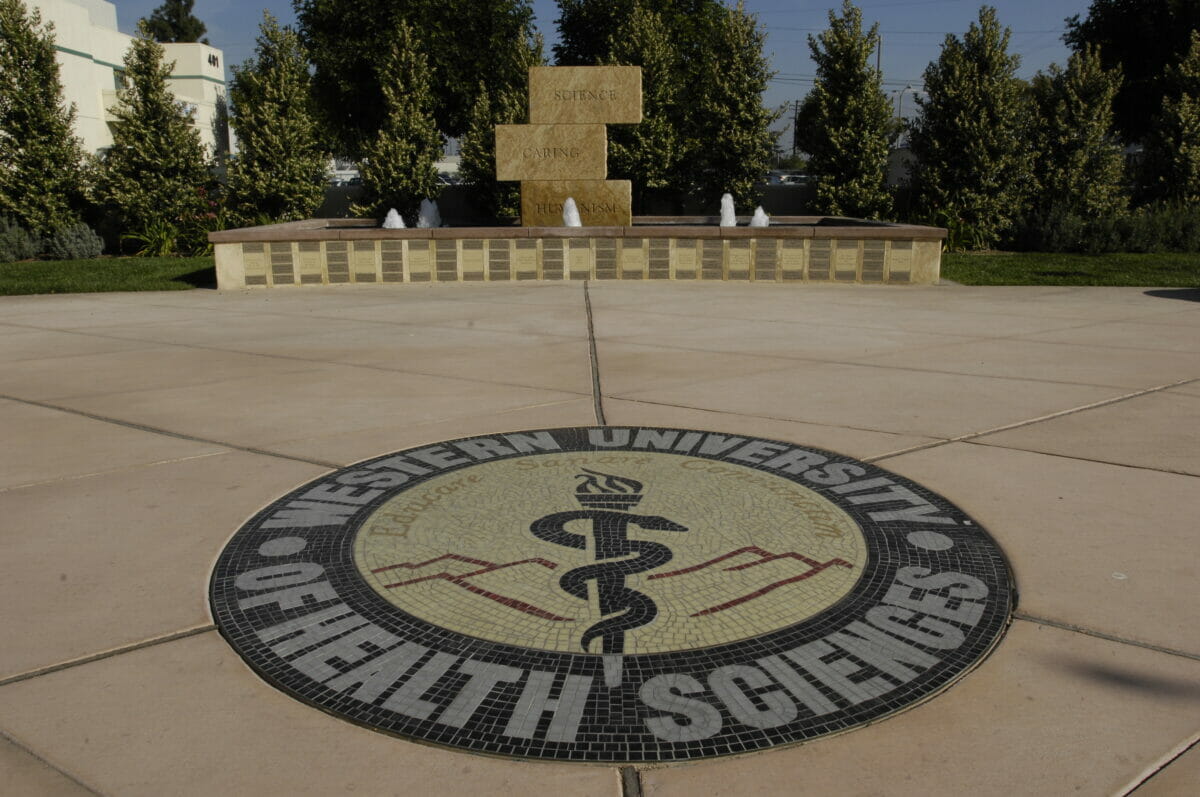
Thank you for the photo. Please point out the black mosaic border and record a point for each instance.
(614, 727)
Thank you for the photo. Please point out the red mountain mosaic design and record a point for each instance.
(463, 580)
(815, 567)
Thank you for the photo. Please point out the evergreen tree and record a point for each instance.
(649, 153)
(398, 170)
(972, 160)
(280, 169)
(41, 173)
(173, 21)
(477, 149)
(503, 105)
(1141, 39)
(1173, 147)
(153, 181)
(848, 120)
(1078, 166)
(587, 28)
(729, 144)
(348, 39)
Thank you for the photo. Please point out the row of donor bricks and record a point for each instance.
(467, 260)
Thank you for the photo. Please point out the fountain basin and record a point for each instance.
(793, 249)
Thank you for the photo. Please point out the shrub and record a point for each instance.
(74, 242)
(1161, 227)
(16, 243)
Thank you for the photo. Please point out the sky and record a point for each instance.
(912, 32)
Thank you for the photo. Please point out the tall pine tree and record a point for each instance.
(648, 154)
(1078, 165)
(398, 169)
(1173, 147)
(730, 144)
(972, 166)
(153, 180)
(847, 125)
(477, 149)
(280, 168)
(41, 177)
(174, 21)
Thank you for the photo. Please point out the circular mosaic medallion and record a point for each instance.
(612, 594)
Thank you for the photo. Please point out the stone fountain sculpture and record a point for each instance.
(563, 151)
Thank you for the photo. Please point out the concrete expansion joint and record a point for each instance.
(593, 357)
(49, 765)
(126, 469)
(631, 782)
(1170, 758)
(108, 654)
(1029, 618)
(168, 433)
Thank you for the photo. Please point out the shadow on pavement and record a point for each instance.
(1186, 294)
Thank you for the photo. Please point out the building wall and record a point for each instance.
(91, 55)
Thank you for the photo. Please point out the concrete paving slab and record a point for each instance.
(1180, 777)
(1052, 362)
(551, 362)
(147, 368)
(188, 718)
(881, 399)
(46, 445)
(1159, 430)
(773, 338)
(1129, 335)
(1050, 712)
(356, 446)
(112, 560)
(18, 343)
(563, 321)
(631, 367)
(858, 443)
(1102, 547)
(333, 398)
(23, 773)
(1189, 389)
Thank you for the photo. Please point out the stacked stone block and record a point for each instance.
(563, 151)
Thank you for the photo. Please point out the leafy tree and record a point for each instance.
(1173, 147)
(1078, 166)
(586, 28)
(848, 126)
(280, 168)
(650, 153)
(41, 177)
(398, 169)
(730, 145)
(1142, 38)
(465, 41)
(972, 162)
(173, 21)
(153, 182)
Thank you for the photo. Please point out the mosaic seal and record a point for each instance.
(612, 594)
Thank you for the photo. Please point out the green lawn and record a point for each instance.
(1041, 268)
(107, 274)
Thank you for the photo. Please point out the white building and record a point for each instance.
(91, 56)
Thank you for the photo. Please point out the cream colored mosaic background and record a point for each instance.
(760, 552)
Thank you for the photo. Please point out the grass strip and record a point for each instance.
(1168, 270)
(106, 274)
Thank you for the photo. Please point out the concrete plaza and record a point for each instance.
(142, 430)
